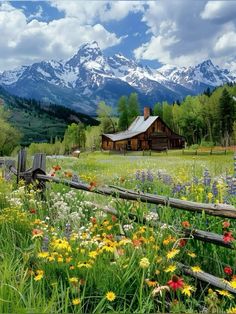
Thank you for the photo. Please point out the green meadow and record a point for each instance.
(60, 252)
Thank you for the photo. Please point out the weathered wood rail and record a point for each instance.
(37, 173)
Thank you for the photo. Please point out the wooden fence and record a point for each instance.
(37, 174)
(204, 152)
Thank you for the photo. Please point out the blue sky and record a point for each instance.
(176, 32)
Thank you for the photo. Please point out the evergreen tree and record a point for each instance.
(123, 122)
(227, 115)
(158, 110)
(133, 107)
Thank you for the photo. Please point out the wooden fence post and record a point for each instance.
(21, 163)
(39, 167)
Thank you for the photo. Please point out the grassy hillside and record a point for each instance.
(39, 122)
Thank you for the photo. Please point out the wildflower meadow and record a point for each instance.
(62, 253)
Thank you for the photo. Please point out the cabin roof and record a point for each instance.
(140, 125)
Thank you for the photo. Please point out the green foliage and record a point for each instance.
(75, 137)
(105, 117)
(158, 110)
(40, 122)
(133, 107)
(208, 117)
(93, 137)
(9, 136)
(128, 110)
(227, 115)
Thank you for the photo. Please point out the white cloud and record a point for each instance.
(24, 42)
(226, 42)
(94, 11)
(219, 10)
(187, 32)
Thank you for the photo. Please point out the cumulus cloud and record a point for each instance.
(93, 11)
(24, 42)
(187, 32)
(219, 11)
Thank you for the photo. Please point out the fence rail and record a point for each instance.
(37, 174)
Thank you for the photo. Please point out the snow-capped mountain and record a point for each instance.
(89, 77)
(199, 77)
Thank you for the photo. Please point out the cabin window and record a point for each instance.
(107, 143)
(153, 129)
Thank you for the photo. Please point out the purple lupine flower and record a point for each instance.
(137, 175)
(233, 187)
(45, 244)
(68, 231)
(195, 180)
(143, 176)
(206, 178)
(214, 188)
(149, 176)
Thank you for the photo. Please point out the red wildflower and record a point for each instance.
(93, 220)
(113, 218)
(53, 174)
(225, 224)
(122, 179)
(56, 168)
(228, 270)
(93, 184)
(68, 174)
(37, 233)
(137, 242)
(182, 242)
(32, 210)
(185, 224)
(227, 237)
(109, 236)
(82, 282)
(176, 282)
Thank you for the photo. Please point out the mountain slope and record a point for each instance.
(89, 77)
(37, 122)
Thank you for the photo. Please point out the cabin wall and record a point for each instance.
(107, 143)
(158, 136)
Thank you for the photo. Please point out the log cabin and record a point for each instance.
(145, 133)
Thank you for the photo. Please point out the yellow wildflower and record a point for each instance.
(60, 259)
(170, 269)
(84, 265)
(61, 245)
(39, 275)
(93, 254)
(225, 293)
(43, 254)
(73, 280)
(68, 259)
(233, 283)
(144, 262)
(158, 259)
(76, 301)
(187, 289)
(232, 310)
(169, 240)
(110, 296)
(196, 269)
(172, 253)
(191, 254)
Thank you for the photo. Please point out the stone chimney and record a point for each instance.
(146, 112)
